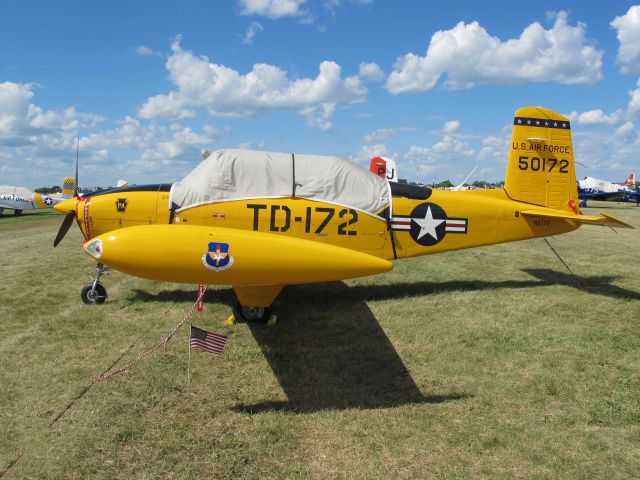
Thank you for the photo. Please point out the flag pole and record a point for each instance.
(189, 364)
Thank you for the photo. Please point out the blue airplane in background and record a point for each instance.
(632, 197)
(590, 188)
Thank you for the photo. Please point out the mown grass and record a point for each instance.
(8, 217)
(487, 363)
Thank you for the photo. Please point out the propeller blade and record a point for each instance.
(75, 193)
(64, 228)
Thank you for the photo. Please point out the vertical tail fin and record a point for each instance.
(69, 187)
(541, 170)
(631, 181)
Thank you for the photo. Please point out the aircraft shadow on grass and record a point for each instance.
(596, 284)
(339, 292)
(333, 354)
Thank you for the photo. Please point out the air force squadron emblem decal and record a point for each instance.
(428, 224)
(217, 257)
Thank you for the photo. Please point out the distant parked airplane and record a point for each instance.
(590, 188)
(386, 168)
(20, 198)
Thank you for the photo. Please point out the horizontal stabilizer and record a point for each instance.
(603, 219)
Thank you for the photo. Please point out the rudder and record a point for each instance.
(541, 169)
(69, 186)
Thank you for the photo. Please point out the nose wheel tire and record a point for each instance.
(251, 314)
(93, 296)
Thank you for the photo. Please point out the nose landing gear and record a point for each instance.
(94, 293)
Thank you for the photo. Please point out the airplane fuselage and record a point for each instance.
(15, 202)
(437, 221)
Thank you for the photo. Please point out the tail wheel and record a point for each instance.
(92, 296)
(251, 314)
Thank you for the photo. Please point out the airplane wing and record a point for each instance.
(603, 219)
(602, 196)
(459, 186)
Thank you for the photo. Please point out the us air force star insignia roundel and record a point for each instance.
(428, 224)
(48, 201)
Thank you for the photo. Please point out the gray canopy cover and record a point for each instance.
(21, 191)
(243, 174)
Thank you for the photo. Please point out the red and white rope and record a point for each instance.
(163, 344)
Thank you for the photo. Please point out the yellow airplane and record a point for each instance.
(259, 221)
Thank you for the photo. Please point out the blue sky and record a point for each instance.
(149, 85)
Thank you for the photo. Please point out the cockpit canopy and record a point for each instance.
(227, 175)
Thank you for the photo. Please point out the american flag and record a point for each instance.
(211, 342)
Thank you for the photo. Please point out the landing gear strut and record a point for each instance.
(94, 293)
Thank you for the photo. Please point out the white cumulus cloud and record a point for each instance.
(468, 55)
(382, 134)
(447, 149)
(495, 149)
(21, 119)
(227, 92)
(624, 129)
(450, 127)
(634, 102)
(143, 51)
(628, 33)
(253, 29)
(596, 117)
(370, 71)
(44, 141)
(367, 152)
(271, 8)
(15, 99)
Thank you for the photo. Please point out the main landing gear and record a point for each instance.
(94, 293)
(253, 314)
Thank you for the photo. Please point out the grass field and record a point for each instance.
(487, 363)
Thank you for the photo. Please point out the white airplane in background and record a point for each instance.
(459, 187)
(590, 188)
(20, 198)
(386, 168)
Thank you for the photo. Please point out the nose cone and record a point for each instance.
(66, 205)
(94, 248)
